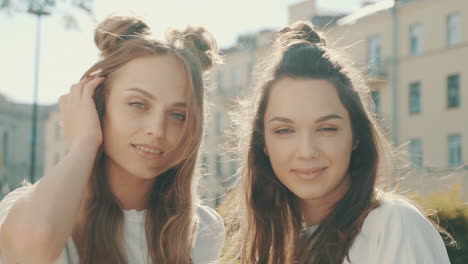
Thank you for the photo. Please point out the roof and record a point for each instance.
(366, 11)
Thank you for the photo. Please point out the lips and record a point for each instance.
(148, 151)
(309, 174)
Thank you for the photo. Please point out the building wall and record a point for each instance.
(238, 75)
(56, 146)
(431, 68)
(351, 36)
(15, 127)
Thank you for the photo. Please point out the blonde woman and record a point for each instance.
(308, 192)
(126, 190)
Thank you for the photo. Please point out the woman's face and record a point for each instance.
(145, 115)
(308, 138)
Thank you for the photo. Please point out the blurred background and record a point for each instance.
(413, 52)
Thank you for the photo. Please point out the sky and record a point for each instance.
(66, 54)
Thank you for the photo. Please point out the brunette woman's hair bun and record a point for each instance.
(302, 30)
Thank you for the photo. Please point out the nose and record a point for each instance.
(307, 147)
(156, 125)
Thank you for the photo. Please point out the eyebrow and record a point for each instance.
(321, 119)
(151, 96)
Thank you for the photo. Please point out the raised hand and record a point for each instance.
(80, 120)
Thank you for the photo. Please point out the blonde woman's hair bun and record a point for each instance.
(115, 29)
(200, 42)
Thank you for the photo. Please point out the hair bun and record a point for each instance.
(200, 41)
(302, 30)
(115, 29)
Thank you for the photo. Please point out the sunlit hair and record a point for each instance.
(264, 220)
(170, 220)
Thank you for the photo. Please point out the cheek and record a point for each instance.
(279, 152)
(175, 130)
(339, 151)
(117, 128)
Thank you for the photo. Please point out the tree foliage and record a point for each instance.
(61, 7)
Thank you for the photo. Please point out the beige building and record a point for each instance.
(15, 143)
(56, 147)
(232, 80)
(415, 54)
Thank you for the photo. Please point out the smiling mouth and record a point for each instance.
(309, 174)
(147, 152)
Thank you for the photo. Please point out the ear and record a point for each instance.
(265, 150)
(355, 144)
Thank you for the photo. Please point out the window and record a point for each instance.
(453, 91)
(373, 52)
(250, 69)
(219, 122)
(204, 164)
(234, 165)
(56, 158)
(219, 168)
(415, 39)
(415, 98)
(376, 99)
(235, 75)
(5, 148)
(220, 82)
(455, 150)
(453, 29)
(58, 132)
(415, 151)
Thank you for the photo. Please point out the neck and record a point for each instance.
(131, 192)
(314, 211)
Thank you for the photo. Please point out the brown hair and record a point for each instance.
(170, 223)
(265, 214)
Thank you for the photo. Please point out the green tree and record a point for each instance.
(452, 215)
(62, 7)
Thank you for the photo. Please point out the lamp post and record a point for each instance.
(39, 11)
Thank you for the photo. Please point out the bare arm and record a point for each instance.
(39, 223)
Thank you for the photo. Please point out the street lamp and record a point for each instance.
(39, 10)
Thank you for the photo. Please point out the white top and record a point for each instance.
(396, 233)
(206, 249)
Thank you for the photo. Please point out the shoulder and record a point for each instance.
(398, 232)
(396, 209)
(209, 219)
(8, 201)
(396, 215)
(209, 238)
(16, 193)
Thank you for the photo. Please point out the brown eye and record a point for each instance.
(284, 131)
(328, 129)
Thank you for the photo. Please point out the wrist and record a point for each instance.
(86, 145)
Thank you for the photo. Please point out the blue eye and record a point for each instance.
(137, 105)
(178, 116)
(284, 131)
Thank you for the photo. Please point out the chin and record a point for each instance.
(308, 194)
(143, 174)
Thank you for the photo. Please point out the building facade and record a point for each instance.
(15, 144)
(414, 54)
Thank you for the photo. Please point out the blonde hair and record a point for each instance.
(170, 218)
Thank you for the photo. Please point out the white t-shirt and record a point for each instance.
(206, 248)
(396, 233)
